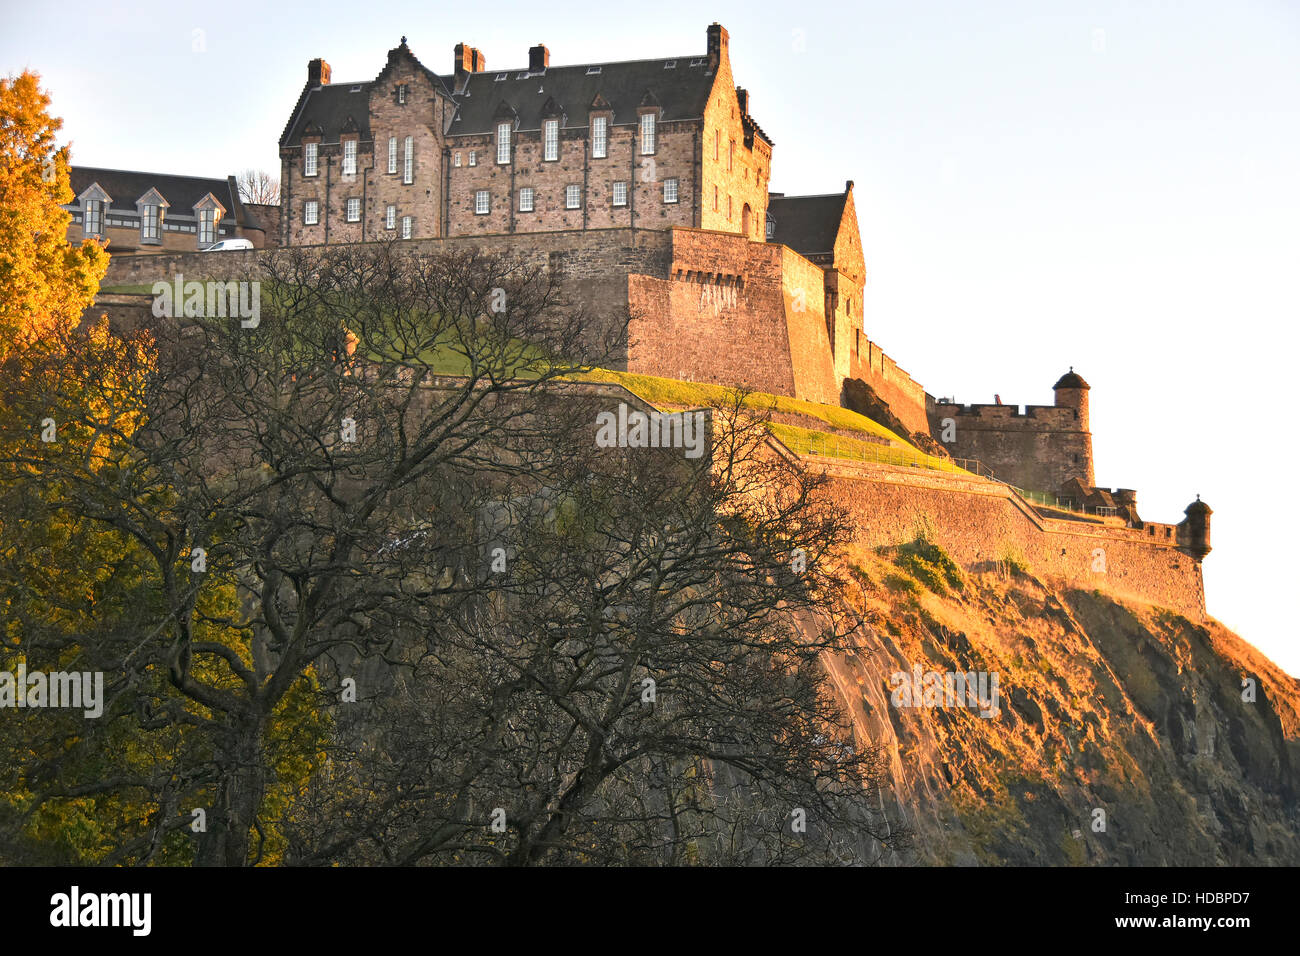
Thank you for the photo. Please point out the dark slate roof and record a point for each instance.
(329, 107)
(681, 92)
(125, 186)
(807, 224)
(1071, 379)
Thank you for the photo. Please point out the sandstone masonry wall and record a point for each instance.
(978, 522)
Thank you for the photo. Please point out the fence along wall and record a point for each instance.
(979, 522)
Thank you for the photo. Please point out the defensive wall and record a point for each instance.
(1040, 447)
(903, 394)
(979, 522)
(700, 305)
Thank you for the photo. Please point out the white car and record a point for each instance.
(225, 245)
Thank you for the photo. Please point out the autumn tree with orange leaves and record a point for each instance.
(45, 282)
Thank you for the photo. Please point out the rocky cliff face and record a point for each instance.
(1122, 734)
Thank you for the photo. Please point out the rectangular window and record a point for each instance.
(94, 218)
(503, 143)
(599, 137)
(311, 212)
(670, 190)
(401, 94)
(731, 155)
(309, 159)
(350, 157)
(526, 199)
(620, 194)
(551, 139)
(406, 227)
(408, 167)
(728, 207)
(572, 197)
(647, 133)
(716, 136)
(715, 198)
(458, 159)
(354, 210)
(482, 203)
(207, 226)
(390, 217)
(392, 154)
(149, 222)
(473, 158)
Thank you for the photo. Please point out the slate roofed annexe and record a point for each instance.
(181, 192)
(807, 224)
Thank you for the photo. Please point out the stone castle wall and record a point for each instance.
(979, 522)
(904, 395)
(1039, 449)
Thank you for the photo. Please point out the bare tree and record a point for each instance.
(258, 186)
(388, 491)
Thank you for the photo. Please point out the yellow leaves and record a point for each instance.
(45, 282)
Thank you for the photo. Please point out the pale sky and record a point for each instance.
(1113, 186)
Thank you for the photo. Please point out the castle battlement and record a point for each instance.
(1052, 415)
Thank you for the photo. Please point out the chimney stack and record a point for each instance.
(539, 58)
(742, 94)
(318, 73)
(467, 60)
(717, 48)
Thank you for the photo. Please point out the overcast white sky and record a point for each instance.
(1113, 186)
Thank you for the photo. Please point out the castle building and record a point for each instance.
(412, 154)
(139, 212)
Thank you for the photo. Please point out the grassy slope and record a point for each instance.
(671, 392)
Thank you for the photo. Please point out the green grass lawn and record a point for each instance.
(898, 451)
(669, 391)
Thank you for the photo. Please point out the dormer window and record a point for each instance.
(150, 223)
(207, 227)
(310, 158)
(771, 226)
(599, 137)
(94, 224)
(150, 208)
(208, 211)
(550, 140)
(648, 131)
(503, 143)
